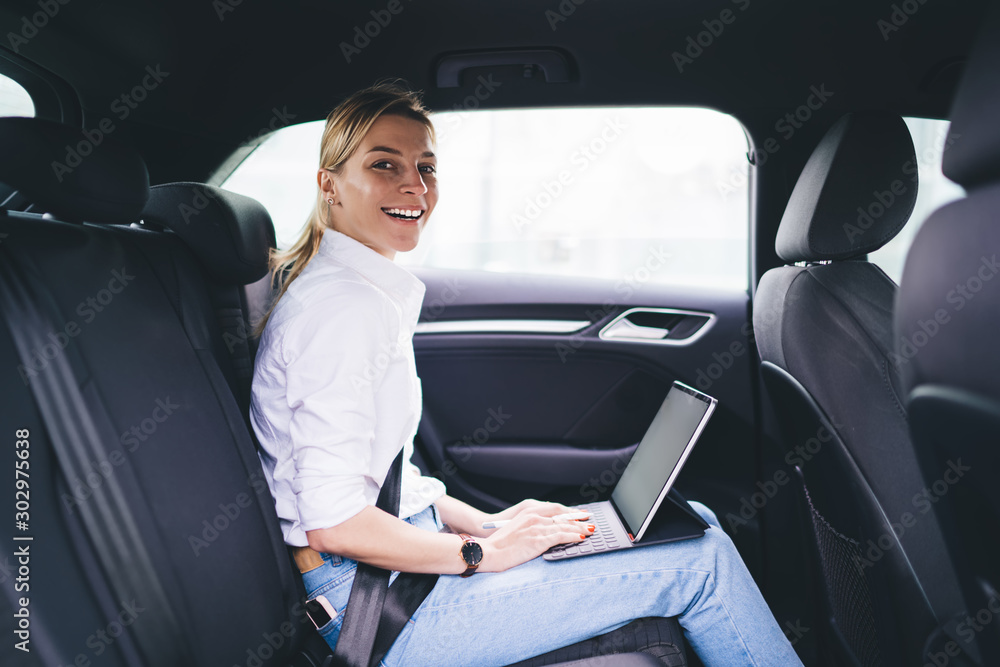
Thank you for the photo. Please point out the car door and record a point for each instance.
(541, 386)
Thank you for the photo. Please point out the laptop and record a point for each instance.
(623, 521)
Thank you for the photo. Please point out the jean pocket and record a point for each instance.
(333, 569)
(332, 582)
(330, 631)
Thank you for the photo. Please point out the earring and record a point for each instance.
(330, 202)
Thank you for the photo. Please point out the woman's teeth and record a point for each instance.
(404, 213)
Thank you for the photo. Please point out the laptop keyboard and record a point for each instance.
(602, 539)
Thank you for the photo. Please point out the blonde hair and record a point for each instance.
(346, 127)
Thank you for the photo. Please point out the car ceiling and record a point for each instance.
(239, 67)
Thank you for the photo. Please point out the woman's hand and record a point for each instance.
(463, 518)
(531, 506)
(529, 534)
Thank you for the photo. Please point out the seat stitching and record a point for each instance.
(854, 317)
(891, 390)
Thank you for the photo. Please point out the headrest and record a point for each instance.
(947, 310)
(73, 173)
(231, 234)
(973, 154)
(855, 193)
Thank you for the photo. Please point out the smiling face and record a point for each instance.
(386, 191)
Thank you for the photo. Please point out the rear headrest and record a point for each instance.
(855, 193)
(231, 234)
(73, 173)
(973, 154)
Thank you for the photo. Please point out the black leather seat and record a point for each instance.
(132, 326)
(230, 234)
(823, 327)
(142, 322)
(947, 325)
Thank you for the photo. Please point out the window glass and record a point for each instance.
(933, 190)
(656, 194)
(14, 100)
(281, 174)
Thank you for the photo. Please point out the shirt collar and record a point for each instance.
(401, 285)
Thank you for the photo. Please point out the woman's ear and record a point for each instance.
(324, 178)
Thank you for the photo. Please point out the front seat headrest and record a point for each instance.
(73, 173)
(231, 235)
(973, 154)
(855, 193)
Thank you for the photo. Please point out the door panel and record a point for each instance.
(540, 464)
(511, 413)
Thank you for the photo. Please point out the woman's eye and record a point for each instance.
(382, 164)
(428, 169)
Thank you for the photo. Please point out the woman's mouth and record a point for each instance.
(404, 214)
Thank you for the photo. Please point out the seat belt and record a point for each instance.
(376, 612)
(75, 439)
(405, 595)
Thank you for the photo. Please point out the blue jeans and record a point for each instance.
(501, 618)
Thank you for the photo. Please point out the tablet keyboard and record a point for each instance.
(604, 537)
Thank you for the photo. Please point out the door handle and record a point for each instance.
(625, 328)
(663, 326)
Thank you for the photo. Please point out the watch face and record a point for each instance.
(472, 552)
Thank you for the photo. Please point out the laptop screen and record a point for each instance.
(656, 460)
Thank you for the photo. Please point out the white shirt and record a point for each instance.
(335, 391)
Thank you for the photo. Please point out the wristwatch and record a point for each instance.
(472, 554)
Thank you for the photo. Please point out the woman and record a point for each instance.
(336, 396)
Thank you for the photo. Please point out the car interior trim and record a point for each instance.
(501, 326)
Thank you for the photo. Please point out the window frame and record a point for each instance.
(53, 97)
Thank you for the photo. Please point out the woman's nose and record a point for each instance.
(413, 182)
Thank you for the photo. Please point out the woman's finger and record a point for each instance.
(550, 509)
(563, 530)
(571, 536)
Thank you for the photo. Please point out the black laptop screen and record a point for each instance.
(656, 456)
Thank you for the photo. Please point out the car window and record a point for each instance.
(635, 194)
(14, 100)
(930, 140)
